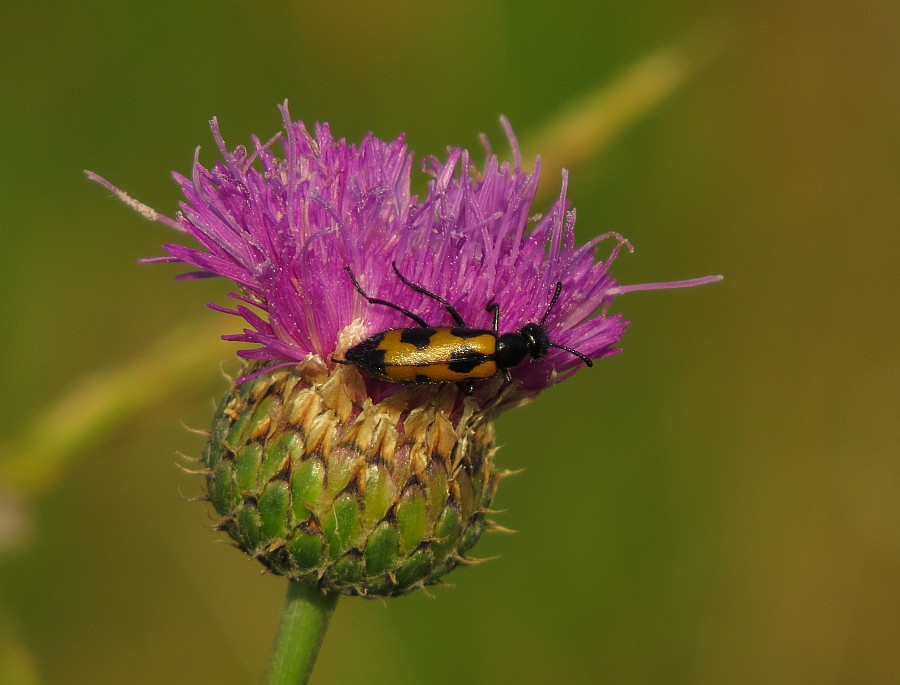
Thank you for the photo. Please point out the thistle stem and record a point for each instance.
(304, 619)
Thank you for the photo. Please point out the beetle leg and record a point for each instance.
(467, 387)
(494, 308)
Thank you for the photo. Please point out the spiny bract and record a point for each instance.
(319, 483)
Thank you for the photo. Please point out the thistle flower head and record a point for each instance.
(408, 468)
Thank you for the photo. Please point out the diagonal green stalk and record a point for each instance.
(590, 123)
(101, 401)
(304, 619)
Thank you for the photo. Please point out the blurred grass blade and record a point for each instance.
(17, 665)
(99, 403)
(586, 126)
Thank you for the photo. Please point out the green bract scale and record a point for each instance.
(321, 484)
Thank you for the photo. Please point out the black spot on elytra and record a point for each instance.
(366, 355)
(465, 359)
(420, 337)
(469, 332)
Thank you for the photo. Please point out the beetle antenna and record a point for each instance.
(375, 300)
(552, 302)
(419, 289)
(583, 357)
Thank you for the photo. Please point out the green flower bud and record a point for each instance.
(320, 483)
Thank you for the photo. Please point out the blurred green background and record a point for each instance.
(718, 504)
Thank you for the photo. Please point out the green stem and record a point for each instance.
(304, 619)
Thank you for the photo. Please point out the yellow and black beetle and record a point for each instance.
(429, 354)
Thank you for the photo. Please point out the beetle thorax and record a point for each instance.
(512, 348)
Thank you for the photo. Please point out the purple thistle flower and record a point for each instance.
(284, 228)
(355, 485)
